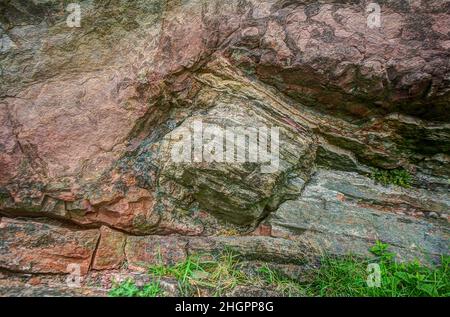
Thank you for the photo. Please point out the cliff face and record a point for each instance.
(90, 115)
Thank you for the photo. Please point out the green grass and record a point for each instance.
(398, 177)
(347, 276)
(129, 289)
(336, 276)
(196, 272)
(278, 282)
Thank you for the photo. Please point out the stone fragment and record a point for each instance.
(142, 252)
(254, 248)
(110, 252)
(34, 247)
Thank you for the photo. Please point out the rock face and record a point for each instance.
(41, 248)
(344, 212)
(99, 125)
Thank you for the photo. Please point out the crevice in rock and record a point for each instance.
(268, 212)
(47, 219)
(94, 253)
(63, 222)
(27, 273)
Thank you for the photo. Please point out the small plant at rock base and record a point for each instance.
(380, 249)
(219, 274)
(346, 276)
(128, 288)
(274, 279)
(151, 290)
(336, 276)
(398, 177)
(411, 278)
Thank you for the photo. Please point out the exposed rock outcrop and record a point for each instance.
(90, 117)
(35, 247)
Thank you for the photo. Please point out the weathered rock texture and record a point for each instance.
(89, 116)
(41, 248)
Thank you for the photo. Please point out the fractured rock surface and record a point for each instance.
(343, 212)
(35, 247)
(89, 118)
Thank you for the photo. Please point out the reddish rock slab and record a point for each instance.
(276, 250)
(111, 250)
(149, 250)
(144, 251)
(32, 247)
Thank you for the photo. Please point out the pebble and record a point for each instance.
(34, 281)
